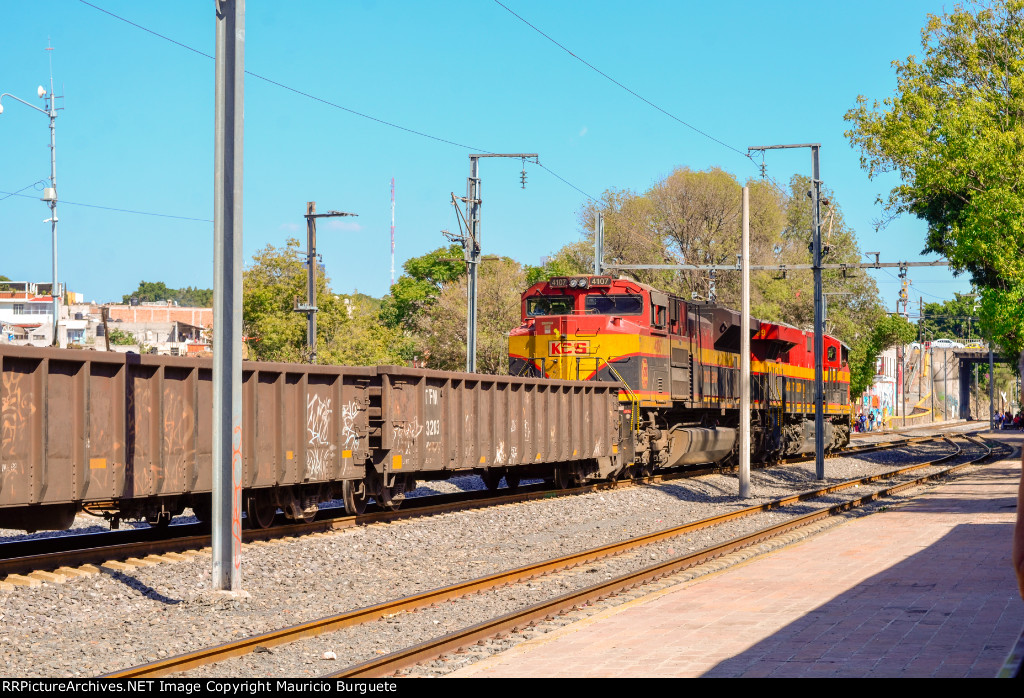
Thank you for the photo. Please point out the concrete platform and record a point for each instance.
(921, 590)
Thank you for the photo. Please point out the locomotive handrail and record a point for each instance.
(634, 418)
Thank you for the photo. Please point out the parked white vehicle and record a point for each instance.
(947, 344)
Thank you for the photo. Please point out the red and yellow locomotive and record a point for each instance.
(678, 363)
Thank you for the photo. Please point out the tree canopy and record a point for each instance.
(953, 133)
(348, 327)
(421, 284)
(155, 292)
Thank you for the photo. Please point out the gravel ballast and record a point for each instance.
(102, 623)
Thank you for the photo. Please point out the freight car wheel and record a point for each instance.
(353, 493)
(260, 511)
(563, 476)
(390, 497)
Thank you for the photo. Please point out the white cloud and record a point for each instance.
(290, 227)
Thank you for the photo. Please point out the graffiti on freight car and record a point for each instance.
(16, 411)
(404, 437)
(179, 439)
(318, 423)
(499, 455)
(349, 437)
(513, 456)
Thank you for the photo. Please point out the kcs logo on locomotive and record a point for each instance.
(568, 348)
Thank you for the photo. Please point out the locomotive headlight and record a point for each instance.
(572, 283)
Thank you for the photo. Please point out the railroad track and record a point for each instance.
(388, 664)
(38, 560)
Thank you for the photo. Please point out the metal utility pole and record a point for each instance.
(991, 390)
(309, 307)
(229, 116)
(598, 243)
(902, 382)
(49, 193)
(819, 329)
(945, 394)
(745, 352)
(931, 376)
(472, 243)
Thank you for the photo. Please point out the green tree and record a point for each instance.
(421, 284)
(158, 291)
(442, 325)
(122, 338)
(888, 331)
(955, 319)
(569, 261)
(348, 329)
(953, 132)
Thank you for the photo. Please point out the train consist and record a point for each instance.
(125, 436)
(678, 366)
(609, 378)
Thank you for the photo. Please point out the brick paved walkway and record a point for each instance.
(926, 589)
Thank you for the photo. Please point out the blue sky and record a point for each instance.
(136, 132)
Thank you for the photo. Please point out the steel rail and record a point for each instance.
(371, 613)
(388, 664)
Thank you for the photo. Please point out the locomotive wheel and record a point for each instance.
(563, 476)
(353, 493)
(491, 478)
(259, 512)
(512, 481)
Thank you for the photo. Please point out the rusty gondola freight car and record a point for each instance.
(129, 437)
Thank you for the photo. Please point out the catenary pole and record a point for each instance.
(310, 307)
(745, 353)
(819, 324)
(227, 284)
(472, 258)
(473, 244)
(311, 279)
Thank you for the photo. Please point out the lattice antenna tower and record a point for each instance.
(392, 231)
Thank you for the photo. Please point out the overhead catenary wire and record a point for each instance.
(329, 103)
(110, 208)
(16, 193)
(616, 82)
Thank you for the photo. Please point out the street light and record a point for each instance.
(49, 193)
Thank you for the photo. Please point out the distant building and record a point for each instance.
(26, 314)
(159, 328)
(26, 319)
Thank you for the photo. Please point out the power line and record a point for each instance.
(16, 193)
(287, 87)
(610, 78)
(109, 208)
